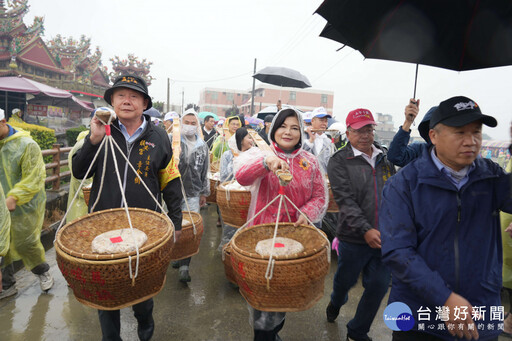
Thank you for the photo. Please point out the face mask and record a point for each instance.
(188, 130)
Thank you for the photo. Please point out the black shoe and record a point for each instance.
(332, 312)
(146, 332)
(184, 276)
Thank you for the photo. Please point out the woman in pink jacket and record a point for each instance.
(307, 191)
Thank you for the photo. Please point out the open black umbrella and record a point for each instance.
(282, 76)
(152, 112)
(457, 34)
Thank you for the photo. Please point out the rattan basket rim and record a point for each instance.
(296, 256)
(195, 216)
(96, 257)
(125, 259)
(220, 187)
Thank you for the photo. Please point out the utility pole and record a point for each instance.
(253, 84)
(168, 95)
(182, 100)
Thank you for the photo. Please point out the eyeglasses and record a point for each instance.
(363, 131)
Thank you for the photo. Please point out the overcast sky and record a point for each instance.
(205, 43)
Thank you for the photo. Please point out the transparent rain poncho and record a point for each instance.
(194, 161)
(307, 190)
(226, 161)
(22, 174)
(79, 207)
(5, 225)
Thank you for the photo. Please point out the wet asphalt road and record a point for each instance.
(208, 308)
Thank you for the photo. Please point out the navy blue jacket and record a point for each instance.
(437, 239)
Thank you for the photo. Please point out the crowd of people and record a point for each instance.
(421, 218)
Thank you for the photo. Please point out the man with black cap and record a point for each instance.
(264, 131)
(441, 234)
(149, 151)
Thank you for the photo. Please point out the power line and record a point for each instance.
(211, 80)
(299, 41)
(332, 66)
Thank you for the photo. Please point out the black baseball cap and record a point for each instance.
(269, 118)
(131, 82)
(459, 111)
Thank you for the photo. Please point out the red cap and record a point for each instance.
(359, 118)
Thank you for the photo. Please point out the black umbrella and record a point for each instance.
(282, 76)
(153, 113)
(457, 34)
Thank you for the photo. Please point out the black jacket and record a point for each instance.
(264, 135)
(357, 189)
(149, 154)
(209, 138)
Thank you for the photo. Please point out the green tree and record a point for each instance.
(158, 106)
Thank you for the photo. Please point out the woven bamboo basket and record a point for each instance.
(228, 263)
(233, 205)
(332, 207)
(298, 280)
(215, 166)
(212, 198)
(187, 244)
(87, 194)
(103, 281)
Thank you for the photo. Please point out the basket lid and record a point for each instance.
(313, 239)
(75, 238)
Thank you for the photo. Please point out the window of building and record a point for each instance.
(323, 99)
(293, 95)
(229, 96)
(214, 95)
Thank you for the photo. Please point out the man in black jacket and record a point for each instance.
(357, 174)
(209, 131)
(149, 151)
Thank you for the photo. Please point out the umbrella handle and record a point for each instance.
(415, 83)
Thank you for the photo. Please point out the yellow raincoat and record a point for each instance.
(15, 119)
(220, 145)
(5, 225)
(506, 219)
(22, 175)
(79, 207)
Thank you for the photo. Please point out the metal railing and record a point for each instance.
(56, 164)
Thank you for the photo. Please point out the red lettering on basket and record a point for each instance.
(116, 240)
(243, 214)
(278, 245)
(241, 269)
(86, 293)
(244, 201)
(96, 278)
(104, 295)
(64, 269)
(245, 287)
(77, 274)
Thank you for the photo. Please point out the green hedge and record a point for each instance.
(72, 134)
(44, 137)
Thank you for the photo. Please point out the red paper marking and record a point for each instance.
(84, 233)
(281, 190)
(116, 240)
(107, 130)
(278, 245)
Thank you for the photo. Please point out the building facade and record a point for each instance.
(219, 101)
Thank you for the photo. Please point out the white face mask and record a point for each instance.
(188, 130)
